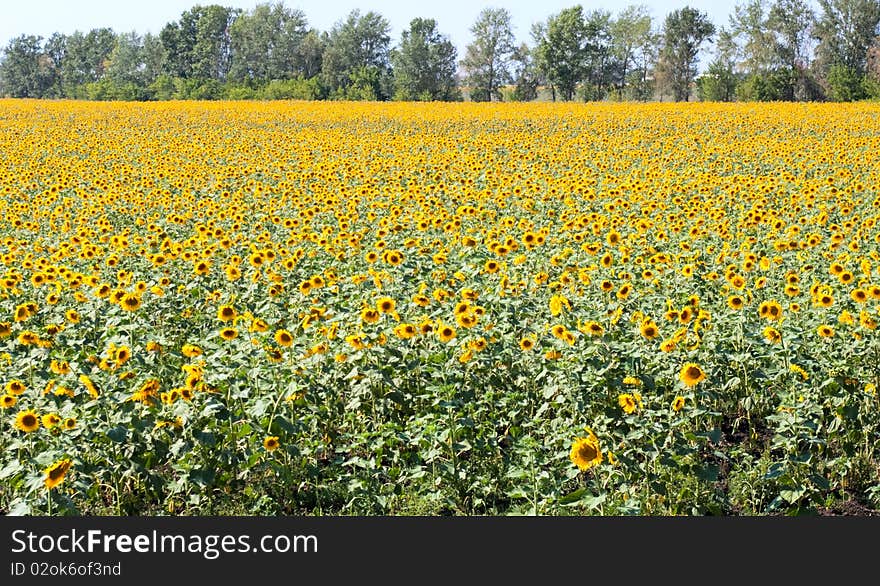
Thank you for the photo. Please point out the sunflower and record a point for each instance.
(649, 329)
(446, 333)
(130, 302)
(859, 295)
(824, 300)
(678, 404)
(5, 329)
(122, 355)
(735, 302)
(27, 337)
(491, 266)
(8, 401)
(283, 338)
(21, 313)
(27, 421)
(15, 387)
(191, 350)
(825, 331)
(271, 443)
(55, 473)
(526, 344)
(405, 331)
(69, 423)
(369, 315)
(233, 273)
(466, 320)
(59, 367)
(558, 331)
(585, 451)
(226, 313)
(691, 374)
(229, 333)
(72, 316)
(50, 420)
(629, 402)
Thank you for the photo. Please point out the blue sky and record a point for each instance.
(454, 17)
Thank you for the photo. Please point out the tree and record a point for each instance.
(642, 80)
(265, 44)
(630, 31)
(54, 51)
(749, 25)
(486, 61)
(684, 31)
(310, 54)
(21, 71)
(526, 75)
(86, 59)
(154, 57)
(791, 22)
(598, 56)
(424, 64)
(562, 47)
(356, 61)
(719, 83)
(197, 46)
(846, 30)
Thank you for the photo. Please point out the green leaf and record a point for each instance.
(573, 497)
(118, 434)
(792, 496)
(10, 469)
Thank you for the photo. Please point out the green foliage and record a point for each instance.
(684, 32)
(719, 84)
(845, 84)
(563, 50)
(486, 61)
(356, 61)
(424, 64)
(267, 44)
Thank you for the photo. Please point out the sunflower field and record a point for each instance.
(295, 308)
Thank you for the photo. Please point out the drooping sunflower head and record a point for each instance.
(585, 452)
(369, 315)
(15, 387)
(56, 472)
(558, 331)
(627, 402)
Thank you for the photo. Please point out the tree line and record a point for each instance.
(769, 50)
